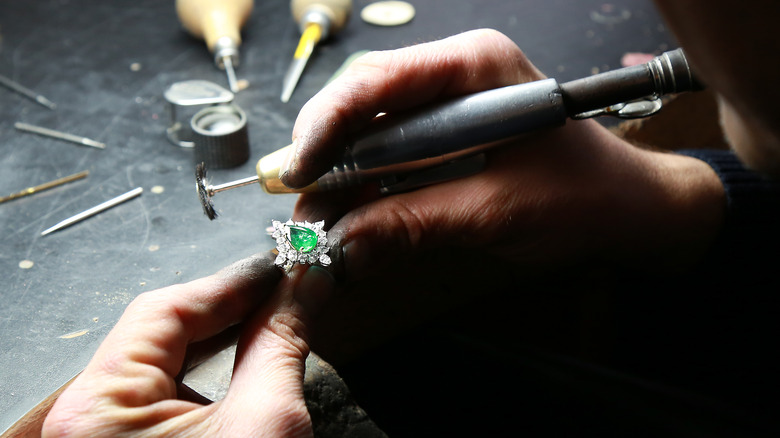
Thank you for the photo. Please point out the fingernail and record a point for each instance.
(288, 160)
(314, 289)
(357, 254)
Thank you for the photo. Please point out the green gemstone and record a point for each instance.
(302, 239)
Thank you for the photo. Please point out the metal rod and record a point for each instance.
(59, 135)
(231, 73)
(94, 210)
(21, 89)
(45, 186)
(212, 190)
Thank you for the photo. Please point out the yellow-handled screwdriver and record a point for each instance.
(218, 23)
(317, 19)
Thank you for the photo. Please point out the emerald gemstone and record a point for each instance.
(302, 239)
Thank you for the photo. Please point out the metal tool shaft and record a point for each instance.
(45, 186)
(211, 190)
(94, 210)
(27, 92)
(311, 36)
(46, 132)
(227, 62)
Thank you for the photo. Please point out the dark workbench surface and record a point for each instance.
(106, 66)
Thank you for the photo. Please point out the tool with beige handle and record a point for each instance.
(317, 19)
(218, 23)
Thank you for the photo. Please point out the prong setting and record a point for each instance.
(300, 242)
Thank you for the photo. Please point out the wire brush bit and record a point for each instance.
(203, 191)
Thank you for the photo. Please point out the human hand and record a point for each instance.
(130, 387)
(563, 196)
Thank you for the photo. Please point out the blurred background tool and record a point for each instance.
(218, 23)
(45, 186)
(94, 210)
(46, 132)
(317, 20)
(27, 92)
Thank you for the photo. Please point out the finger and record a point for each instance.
(526, 205)
(393, 81)
(390, 228)
(331, 206)
(137, 362)
(201, 351)
(266, 392)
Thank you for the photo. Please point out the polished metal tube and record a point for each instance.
(665, 74)
(438, 134)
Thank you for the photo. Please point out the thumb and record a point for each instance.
(396, 81)
(386, 229)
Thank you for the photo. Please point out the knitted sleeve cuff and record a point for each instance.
(753, 204)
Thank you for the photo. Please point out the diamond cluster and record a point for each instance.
(294, 241)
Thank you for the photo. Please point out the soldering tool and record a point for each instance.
(218, 23)
(440, 141)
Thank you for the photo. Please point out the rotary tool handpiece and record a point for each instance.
(443, 133)
(218, 23)
(394, 147)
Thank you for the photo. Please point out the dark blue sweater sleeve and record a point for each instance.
(751, 234)
(713, 329)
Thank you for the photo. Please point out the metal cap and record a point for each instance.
(220, 136)
(185, 99)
